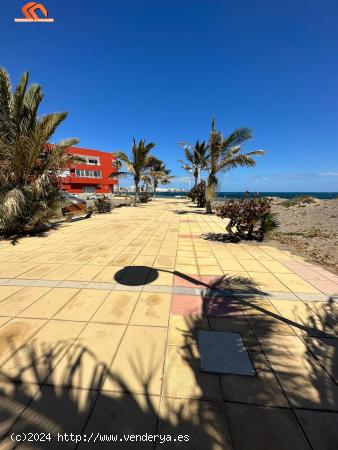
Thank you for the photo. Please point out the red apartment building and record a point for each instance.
(91, 176)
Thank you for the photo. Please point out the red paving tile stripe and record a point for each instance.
(179, 281)
(200, 280)
(215, 306)
(328, 287)
(185, 305)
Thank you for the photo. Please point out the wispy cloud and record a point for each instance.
(292, 176)
(329, 174)
(181, 179)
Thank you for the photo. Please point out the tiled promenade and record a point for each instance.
(98, 328)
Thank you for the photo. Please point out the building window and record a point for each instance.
(93, 161)
(90, 160)
(89, 189)
(88, 173)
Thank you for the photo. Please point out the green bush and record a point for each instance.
(250, 218)
(197, 194)
(144, 197)
(103, 205)
(300, 200)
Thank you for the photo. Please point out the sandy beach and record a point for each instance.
(309, 229)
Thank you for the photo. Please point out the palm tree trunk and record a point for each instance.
(208, 208)
(198, 176)
(210, 192)
(136, 193)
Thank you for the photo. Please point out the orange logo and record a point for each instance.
(29, 11)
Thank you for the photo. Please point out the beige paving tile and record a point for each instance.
(280, 256)
(186, 260)
(275, 267)
(13, 270)
(303, 320)
(204, 423)
(87, 363)
(117, 308)
(83, 305)
(296, 284)
(265, 428)
(6, 256)
(304, 381)
(320, 428)
(325, 351)
(4, 320)
(165, 277)
(231, 265)
(183, 329)
(138, 364)
(183, 378)
(103, 259)
(252, 265)
(117, 413)
(187, 269)
(165, 261)
(40, 258)
(39, 271)
(62, 258)
(143, 260)
(152, 309)
(13, 400)
(185, 254)
(7, 291)
(261, 389)
(204, 254)
(47, 306)
(268, 282)
(83, 258)
(264, 318)
(62, 272)
(15, 333)
(17, 302)
(40, 355)
(65, 411)
(122, 260)
(107, 275)
(150, 250)
(210, 270)
(86, 273)
(207, 261)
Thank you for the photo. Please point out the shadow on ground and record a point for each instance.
(54, 404)
(288, 404)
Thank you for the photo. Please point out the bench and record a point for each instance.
(76, 209)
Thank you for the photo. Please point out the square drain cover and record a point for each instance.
(224, 352)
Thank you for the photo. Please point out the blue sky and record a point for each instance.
(160, 70)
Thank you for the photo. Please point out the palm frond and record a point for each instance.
(236, 138)
(118, 174)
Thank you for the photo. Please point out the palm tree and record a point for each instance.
(196, 158)
(29, 165)
(138, 166)
(225, 154)
(159, 174)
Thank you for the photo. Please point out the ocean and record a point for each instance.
(319, 195)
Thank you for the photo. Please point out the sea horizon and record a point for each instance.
(286, 195)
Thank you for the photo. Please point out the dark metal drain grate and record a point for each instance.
(224, 352)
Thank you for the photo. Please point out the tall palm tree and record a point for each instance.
(138, 165)
(225, 154)
(196, 158)
(29, 165)
(158, 174)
